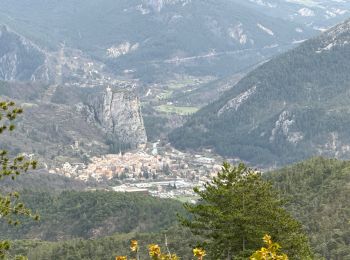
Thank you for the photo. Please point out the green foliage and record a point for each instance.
(10, 206)
(179, 240)
(317, 192)
(74, 214)
(236, 209)
(116, 146)
(42, 181)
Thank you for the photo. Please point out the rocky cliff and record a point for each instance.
(23, 60)
(70, 114)
(118, 113)
(20, 59)
(157, 5)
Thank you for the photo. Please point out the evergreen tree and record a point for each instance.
(236, 209)
(10, 207)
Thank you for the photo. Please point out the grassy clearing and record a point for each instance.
(170, 109)
(187, 82)
(166, 94)
(186, 199)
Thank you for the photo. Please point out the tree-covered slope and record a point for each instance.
(107, 248)
(42, 181)
(290, 108)
(318, 193)
(74, 214)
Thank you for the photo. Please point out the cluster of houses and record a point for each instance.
(159, 171)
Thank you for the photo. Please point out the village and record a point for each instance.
(158, 170)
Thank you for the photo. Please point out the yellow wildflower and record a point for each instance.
(121, 258)
(174, 257)
(199, 252)
(154, 250)
(267, 239)
(134, 246)
(270, 252)
(169, 257)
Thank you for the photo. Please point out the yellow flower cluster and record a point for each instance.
(134, 246)
(267, 240)
(270, 252)
(169, 257)
(154, 250)
(155, 253)
(199, 252)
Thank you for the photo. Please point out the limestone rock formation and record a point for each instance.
(20, 59)
(118, 113)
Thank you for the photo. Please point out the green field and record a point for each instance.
(166, 95)
(186, 198)
(170, 109)
(187, 81)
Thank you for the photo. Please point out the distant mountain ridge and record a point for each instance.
(148, 37)
(290, 108)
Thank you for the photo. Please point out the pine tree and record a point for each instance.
(236, 209)
(10, 206)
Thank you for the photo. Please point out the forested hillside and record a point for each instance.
(288, 109)
(42, 181)
(318, 193)
(73, 214)
(179, 241)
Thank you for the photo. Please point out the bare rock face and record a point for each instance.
(158, 5)
(20, 59)
(23, 60)
(118, 113)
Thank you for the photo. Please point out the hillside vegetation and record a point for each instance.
(74, 214)
(288, 109)
(179, 241)
(318, 193)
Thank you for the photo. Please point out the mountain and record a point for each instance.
(315, 14)
(20, 59)
(181, 53)
(23, 60)
(74, 108)
(290, 108)
(151, 39)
